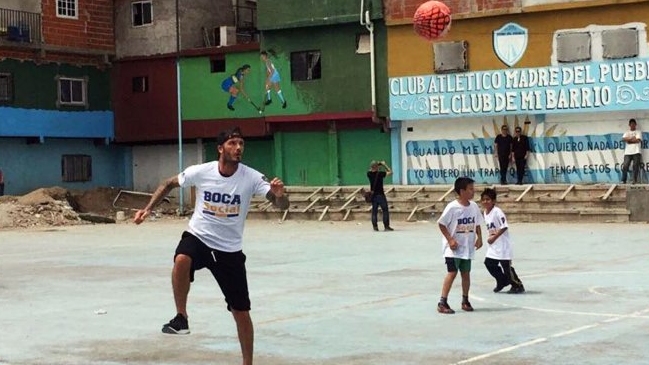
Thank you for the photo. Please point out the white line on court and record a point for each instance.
(501, 351)
(556, 335)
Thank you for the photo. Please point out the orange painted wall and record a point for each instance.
(410, 55)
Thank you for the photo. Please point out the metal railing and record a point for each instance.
(20, 26)
(246, 18)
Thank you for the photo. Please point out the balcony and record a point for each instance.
(246, 24)
(19, 28)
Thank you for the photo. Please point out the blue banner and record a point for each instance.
(583, 87)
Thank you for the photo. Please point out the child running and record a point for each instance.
(460, 226)
(499, 252)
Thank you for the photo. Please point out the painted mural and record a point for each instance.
(563, 149)
(574, 113)
(252, 85)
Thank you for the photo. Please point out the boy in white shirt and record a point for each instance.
(460, 225)
(499, 252)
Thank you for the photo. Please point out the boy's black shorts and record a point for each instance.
(228, 268)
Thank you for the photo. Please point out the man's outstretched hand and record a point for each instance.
(141, 215)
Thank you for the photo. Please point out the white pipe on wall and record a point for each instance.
(366, 21)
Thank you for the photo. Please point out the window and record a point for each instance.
(217, 64)
(140, 84)
(76, 168)
(362, 43)
(305, 66)
(6, 88)
(142, 13)
(72, 91)
(67, 8)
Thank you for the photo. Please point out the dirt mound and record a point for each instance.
(97, 200)
(56, 206)
(44, 196)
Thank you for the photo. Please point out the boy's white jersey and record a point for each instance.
(500, 249)
(222, 203)
(461, 222)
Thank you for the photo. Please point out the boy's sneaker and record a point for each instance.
(177, 326)
(444, 308)
(466, 306)
(388, 228)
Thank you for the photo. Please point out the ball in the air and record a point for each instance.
(432, 20)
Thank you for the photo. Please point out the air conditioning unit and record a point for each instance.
(225, 36)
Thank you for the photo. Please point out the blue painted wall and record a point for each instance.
(17, 122)
(28, 167)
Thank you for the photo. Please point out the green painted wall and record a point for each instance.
(356, 149)
(343, 87)
(345, 82)
(306, 158)
(35, 86)
(257, 154)
(278, 14)
(315, 158)
(203, 98)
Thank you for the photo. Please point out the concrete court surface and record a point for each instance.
(325, 293)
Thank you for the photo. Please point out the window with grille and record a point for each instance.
(142, 13)
(67, 8)
(140, 84)
(76, 168)
(72, 91)
(6, 88)
(306, 66)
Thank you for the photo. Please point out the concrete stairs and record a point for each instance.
(522, 203)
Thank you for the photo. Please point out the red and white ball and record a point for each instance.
(432, 20)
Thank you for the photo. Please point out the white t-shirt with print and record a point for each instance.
(222, 203)
(632, 148)
(501, 248)
(461, 222)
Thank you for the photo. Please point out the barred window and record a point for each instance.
(67, 8)
(6, 88)
(76, 168)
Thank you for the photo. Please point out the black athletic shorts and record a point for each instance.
(228, 268)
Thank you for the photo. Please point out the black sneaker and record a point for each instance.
(499, 288)
(177, 326)
(516, 290)
(230, 107)
(284, 105)
(388, 228)
(268, 101)
(376, 228)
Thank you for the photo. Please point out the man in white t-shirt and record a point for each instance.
(499, 254)
(224, 189)
(460, 225)
(632, 151)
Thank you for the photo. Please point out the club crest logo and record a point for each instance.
(510, 43)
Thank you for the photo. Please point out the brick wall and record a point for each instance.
(397, 10)
(93, 28)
